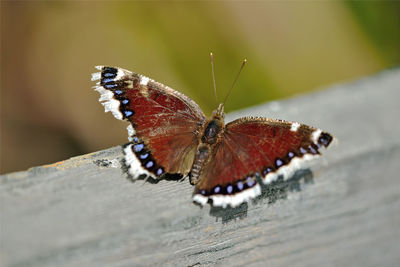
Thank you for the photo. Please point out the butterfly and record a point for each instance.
(170, 135)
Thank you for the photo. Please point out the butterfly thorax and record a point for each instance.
(211, 135)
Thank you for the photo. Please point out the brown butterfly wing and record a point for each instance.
(163, 126)
(254, 148)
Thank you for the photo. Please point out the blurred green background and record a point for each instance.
(48, 49)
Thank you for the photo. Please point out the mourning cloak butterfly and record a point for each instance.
(169, 134)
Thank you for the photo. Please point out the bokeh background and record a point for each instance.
(48, 49)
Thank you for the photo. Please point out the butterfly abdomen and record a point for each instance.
(201, 158)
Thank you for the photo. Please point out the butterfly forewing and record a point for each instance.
(164, 123)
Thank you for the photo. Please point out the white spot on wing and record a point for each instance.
(120, 74)
(96, 76)
(106, 96)
(295, 126)
(202, 200)
(144, 80)
(131, 132)
(315, 135)
(108, 101)
(113, 106)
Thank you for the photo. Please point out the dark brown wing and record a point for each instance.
(256, 148)
(163, 122)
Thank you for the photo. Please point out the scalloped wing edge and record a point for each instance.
(135, 168)
(229, 200)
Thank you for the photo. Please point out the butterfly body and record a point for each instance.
(170, 135)
(210, 138)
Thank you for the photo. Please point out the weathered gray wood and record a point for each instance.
(85, 212)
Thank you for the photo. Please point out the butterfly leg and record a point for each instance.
(184, 178)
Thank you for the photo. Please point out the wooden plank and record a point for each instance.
(85, 212)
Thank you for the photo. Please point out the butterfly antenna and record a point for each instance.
(233, 84)
(213, 76)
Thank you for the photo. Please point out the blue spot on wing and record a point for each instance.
(138, 147)
(250, 182)
(149, 164)
(110, 86)
(217, 189)
(278, 162)
(109, 75)
(110, 70)
(159, 171)
(106, 80)
(128, 113)
(229, 189)
(144, 156)
(240, 186)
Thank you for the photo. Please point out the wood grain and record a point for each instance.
(344, 210)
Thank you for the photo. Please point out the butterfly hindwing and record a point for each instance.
(256, 149)
(163, 122)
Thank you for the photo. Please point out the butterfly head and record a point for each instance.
(214, 126)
